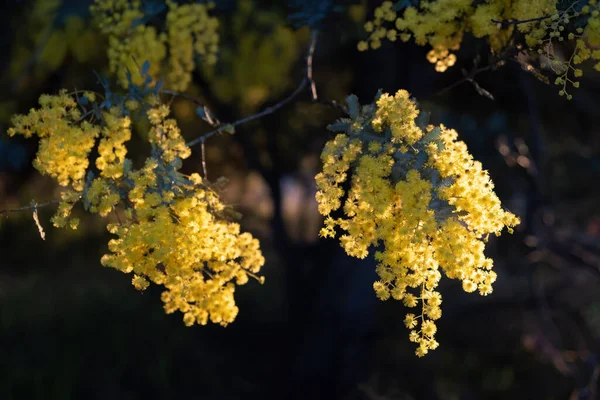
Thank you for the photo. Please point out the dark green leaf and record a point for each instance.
(353, 106)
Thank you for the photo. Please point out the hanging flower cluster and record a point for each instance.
(540, 25)
(421, 195)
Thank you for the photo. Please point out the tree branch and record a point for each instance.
(266, 111)
(307, 80)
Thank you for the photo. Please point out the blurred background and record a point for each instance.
(72, 329)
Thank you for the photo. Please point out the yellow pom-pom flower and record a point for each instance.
(419, 192)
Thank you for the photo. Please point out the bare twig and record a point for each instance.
(36, 219)
(309, 75)
(85, 115)
(204, 161)
(309, 62)
(470, 77)
(35, 206)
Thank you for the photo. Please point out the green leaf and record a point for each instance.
(434, 176)
(204, 113)
(145, 68)
(341, 125)
(353, 106)
(446, 182)
(420, 160)
(433, 135)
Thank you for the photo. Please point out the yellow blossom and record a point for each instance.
(172, 230)
(419, 193)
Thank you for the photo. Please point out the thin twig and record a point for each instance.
(36, 219)
(266, 111)
(204, 161)
(29, 207)
(84, 115)
(520, 21)
(309, 75)
(524, 21)
(183, 95)
(309, 65)
(470, 77)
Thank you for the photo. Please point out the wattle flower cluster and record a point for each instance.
(63, 156)
(189, 32)
(421, 195)
(175, 238)
(172, 230)
(442, 25)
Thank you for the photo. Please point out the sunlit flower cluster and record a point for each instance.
(175, 240)
(63, 156)
(442, 24)
(111, 148)
(189, 32)
(584, 39)
(421, 195)
(171, 229)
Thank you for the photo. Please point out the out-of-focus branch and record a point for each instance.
(519, 21)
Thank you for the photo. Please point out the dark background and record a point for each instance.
(71, 329)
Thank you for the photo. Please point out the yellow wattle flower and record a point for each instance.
(418, 192)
